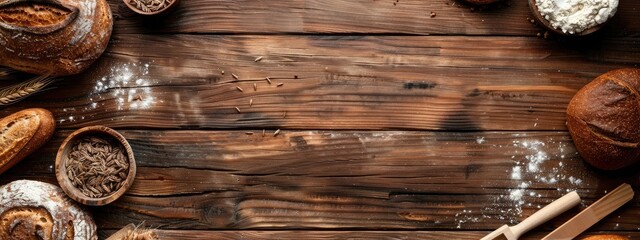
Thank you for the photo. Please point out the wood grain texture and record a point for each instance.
(352, 235)
(353, 17)
(347, 180)
(343, 82)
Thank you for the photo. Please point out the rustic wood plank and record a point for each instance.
(353, 17)
(352, 235)
(345, 179)
(339, 82)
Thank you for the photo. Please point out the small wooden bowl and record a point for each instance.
(544, 22)
(164, 11)
(61, 171)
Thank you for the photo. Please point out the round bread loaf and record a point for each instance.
(33, 210)
(606, 237)
(22, 133)
(54, 37)
(604, 120)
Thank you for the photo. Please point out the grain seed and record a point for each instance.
(100, 162)
(269, 80)
(255, 87)
(263, 132)
(235, 76)
(279, 84)
(248, 133)
(240, 89)
(258, 59)
(238, 110)
(276, 133)
(250, 102)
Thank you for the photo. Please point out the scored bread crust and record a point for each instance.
(22, 133)
(31, 208)
(606, 237)
(34, 38)
(603, 120)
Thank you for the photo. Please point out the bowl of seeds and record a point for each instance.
(152, 7)
(95, 165)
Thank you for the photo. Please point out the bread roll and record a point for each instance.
(606, 237)
(37, 210)
(604, 120)
(56, 37)
(22, 133)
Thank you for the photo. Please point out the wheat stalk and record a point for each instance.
(140, 233)
(20, 91)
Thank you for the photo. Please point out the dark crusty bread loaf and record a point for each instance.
(38, 210)
(604, 120)
(22, 133)
(55, 37)
(606, 237)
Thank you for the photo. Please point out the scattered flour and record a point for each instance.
(516, 173)
(530, 172)
(127, 85)
(575, 16)
(531, 169)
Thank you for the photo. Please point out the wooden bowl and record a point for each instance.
(61, 171)
(164, 11)
(544, 22)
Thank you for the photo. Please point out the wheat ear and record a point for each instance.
(140, 233)
(20, 91)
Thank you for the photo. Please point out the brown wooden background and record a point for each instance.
(398, 125)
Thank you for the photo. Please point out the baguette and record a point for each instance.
(22, 133)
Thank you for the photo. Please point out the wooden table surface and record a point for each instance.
(393, 124)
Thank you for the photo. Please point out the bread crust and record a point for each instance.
(603, 120)
(29, 208)
(606, 237)
(22, 133)
(53, 37)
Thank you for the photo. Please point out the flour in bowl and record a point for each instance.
(575, 16)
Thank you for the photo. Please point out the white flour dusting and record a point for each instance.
(127, 85)
(531, 170)
(516, 173)
(575, 16)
